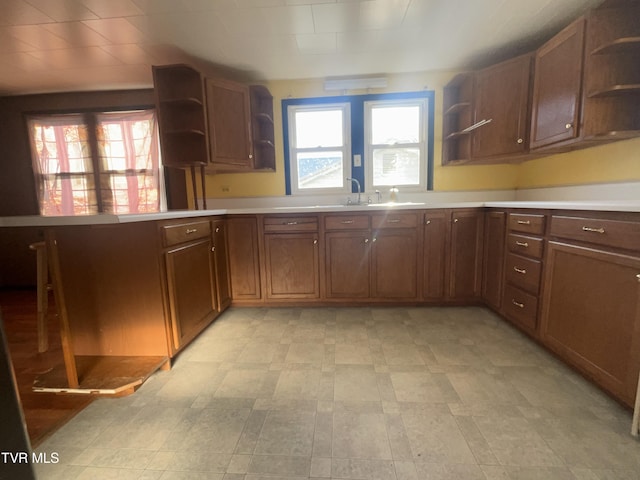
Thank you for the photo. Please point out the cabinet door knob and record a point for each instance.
(427, 222)
(455, 220)
(568, 126)
(366, 240)
(517, 304)
(638, 277)
(374, 239)
(315, 241)
(520, 141)
(213, 249)
(217, 229)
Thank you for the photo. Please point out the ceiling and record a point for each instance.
(68, 45)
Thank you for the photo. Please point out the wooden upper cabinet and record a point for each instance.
(502, 102)
(557, 87)
(179, 91)
(229, 115)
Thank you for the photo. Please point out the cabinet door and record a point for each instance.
(394, 264)
(591, 314)
(348, 259)
(292, 269)
(221, 264)
(244, 264)
(494, 248)
(557, 87)
(191, 290)
(502, 98)
(229, 116)
(434, 254)
(466, 254)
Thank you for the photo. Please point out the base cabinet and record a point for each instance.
(292, 265)
(244, 259)
(191, 285)
(465, 277)
(591, 314)
(221, 263)
(494, 248)
(393, 261)
(348, 264)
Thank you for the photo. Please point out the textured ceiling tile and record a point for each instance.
(19, 12)
(38, 37)
(317, 43)
(116, 30)
(76, 33)
(296, 19)
(112, 8)
(63, 10)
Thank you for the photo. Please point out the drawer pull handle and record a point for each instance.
(520, 270)
(524, 222)
(522, 244)
(291, 223)
(594, 230)
(393, 221)
(517, 304)
(346, 222)
(191, 230)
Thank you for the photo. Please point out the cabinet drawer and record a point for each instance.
(185, 232)
(346, 222)
(290, 224)
(529, 246)
(523, 272)
(612, 233)
(394, 220)
(527, 223)
(520, 306)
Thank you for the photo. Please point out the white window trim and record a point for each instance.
(422, 144)
(346, 148)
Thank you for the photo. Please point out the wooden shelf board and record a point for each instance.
(615, 90)
(454, 135)
(619, 45)
(101, 375)
(457, 107)
(187, 101)
(264, 117)
(192, 131)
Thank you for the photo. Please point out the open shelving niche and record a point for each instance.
(457, 118)
(182, 121)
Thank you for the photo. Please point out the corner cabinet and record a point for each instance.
(612, 76)
(494, 248)
(264, 154)
(465, 271)
(557, 87)
(180, 101)
(244, 258)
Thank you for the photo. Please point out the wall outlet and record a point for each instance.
(357, 160)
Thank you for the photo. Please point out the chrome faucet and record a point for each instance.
(355, 180)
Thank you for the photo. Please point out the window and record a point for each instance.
(96, 162)
(389, 136)
(319, 148)
(395, 143)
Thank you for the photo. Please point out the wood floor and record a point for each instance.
(44, 412)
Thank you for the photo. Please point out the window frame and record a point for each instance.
(90, 119)
(357, 133)
(345, 107)
(422, 103)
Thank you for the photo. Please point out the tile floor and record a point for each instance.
(353, 393)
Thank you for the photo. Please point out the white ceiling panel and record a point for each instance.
(51, 42)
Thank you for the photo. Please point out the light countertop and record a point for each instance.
(107, 219)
